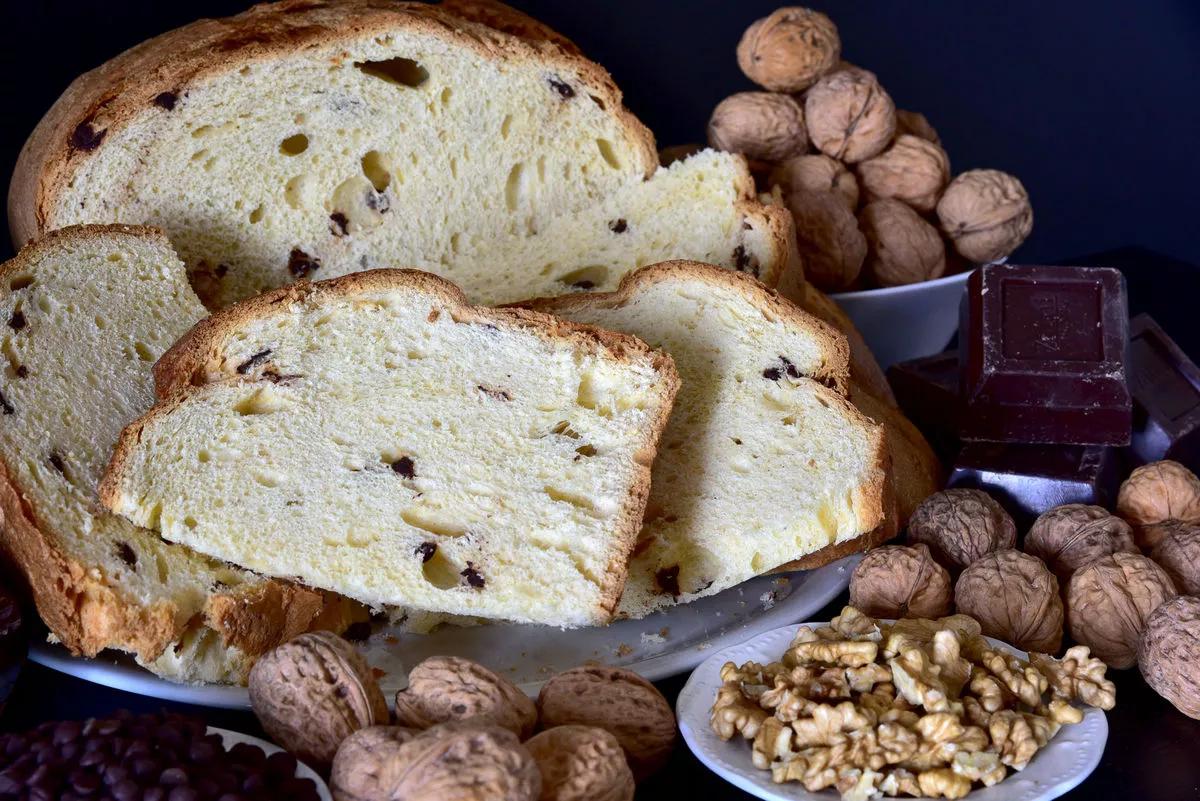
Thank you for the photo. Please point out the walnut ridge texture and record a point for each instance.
(1169, 653)
(960, 526)
(581, 763)
(850, 117)
(1068, 537)
(1158, 495)
(790, 49)
(897, 581)
(450, 688)
(762, 125)
(1109, 600)
(1014, 596)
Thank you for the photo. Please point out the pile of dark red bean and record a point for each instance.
(162, 757)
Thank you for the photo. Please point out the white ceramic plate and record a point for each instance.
(232, 738)
(664, 644)
(1073, 753)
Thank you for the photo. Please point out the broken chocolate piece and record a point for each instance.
(126, 554)
(1044, 354)
(5, 406)
(562, 87)
(619, 226)
(495, 394)
(473, 576)
(785, 367)
(405, 467)
(85, 137)
(166, 100)
(339, 223)
(17, 321)
(302, 265)
(254, 361)
(426, 550)
(927, 391)
(668, 580)
(1166, 397)
(57, 463)
(22, 371)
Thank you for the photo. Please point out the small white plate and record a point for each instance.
(1071, 755)
(664, 644)
(232, 738)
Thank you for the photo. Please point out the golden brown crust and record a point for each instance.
(196, 360)
(835, 372)
(109, 98)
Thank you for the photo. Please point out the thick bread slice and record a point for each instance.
(310, 140)
(764, 460)
(86, 311)
(378, 436)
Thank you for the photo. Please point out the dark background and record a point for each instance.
(1093, 104)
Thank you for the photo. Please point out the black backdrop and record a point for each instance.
(1094, 104)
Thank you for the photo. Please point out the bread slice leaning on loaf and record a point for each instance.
(764, 460)
(86, 311)
(378, 436)
(310, 140)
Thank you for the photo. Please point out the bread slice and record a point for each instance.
(764, 459)
(86, 312)
(310, 140)
(378, 436)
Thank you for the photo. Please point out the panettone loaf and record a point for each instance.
(86, 311)
(764, 460)
(378, 436)
(309, 140)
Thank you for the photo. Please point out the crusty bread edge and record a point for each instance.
(196, 361)
(111, 96)
(88, 615)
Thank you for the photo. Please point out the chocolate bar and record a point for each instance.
(1030, 479)
(1166, 397)
(1043, 356)
(927, 392)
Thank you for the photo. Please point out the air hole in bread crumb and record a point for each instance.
(607, 152)
(375, 167)
(190, 522)
(437, 569)
(565, 496)
(588, 277)
(598, 102)
(203, 457)
(506, 126)
(586, 450)
(20, 282)
(294, 145)
(293, 192)
(446, 96)
(514, 190)
(433, 521)
(398, 71)
(143, 351)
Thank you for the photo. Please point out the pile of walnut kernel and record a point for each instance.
(1125, 585)
(918, 707)
(868, 184)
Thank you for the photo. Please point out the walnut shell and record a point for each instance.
(669, 155)
(581, 763)
(850, 116)
(816, 173)
(901, 247)
(619, 701)
(986, 214)
(1169, 653)
(914, 124)
(1068, 537)
(447, 688)
(1108, 602)
(828, 238)
(1155, 496)
(762, 125)
(960, 526)
(788, 50)
(1014, 596)
(470, 761)
(360, 759)
(896, 581)
(912, 169)
(1178, 553)
(313, 692)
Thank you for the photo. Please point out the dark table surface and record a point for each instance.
(1153, 751)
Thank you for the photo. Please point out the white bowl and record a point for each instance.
(906, 322)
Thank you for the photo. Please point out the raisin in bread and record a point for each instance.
(310, 140)
(378, 436)
(764, 460)
(86, 312)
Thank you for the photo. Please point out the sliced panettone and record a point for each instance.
(86, 311)
(304, 140)
(765, 461)
(377, 436)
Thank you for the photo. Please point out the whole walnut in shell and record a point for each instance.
(762, 125)
(360, 759)
(1178, 553)
(313, 692)
(816, 172)
(901, 247)
(960, 526)
(1156, 496)
(1169, 653)
(1068, 537)
(986, 214)
(896, 581)
(470, 761)
(914, 124)
(1014, 596)
(581, 763)
(619, 701)
(446, 688)
(828, 238)
(788, 50)
(912, 169)
(850, 116)
(1109, 600)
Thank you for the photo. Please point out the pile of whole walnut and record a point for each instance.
(919, 707)
(460, 731)
(1126, 584)
(875, 201)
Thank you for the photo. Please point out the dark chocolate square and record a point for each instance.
(927, 391)
(1166, 397)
